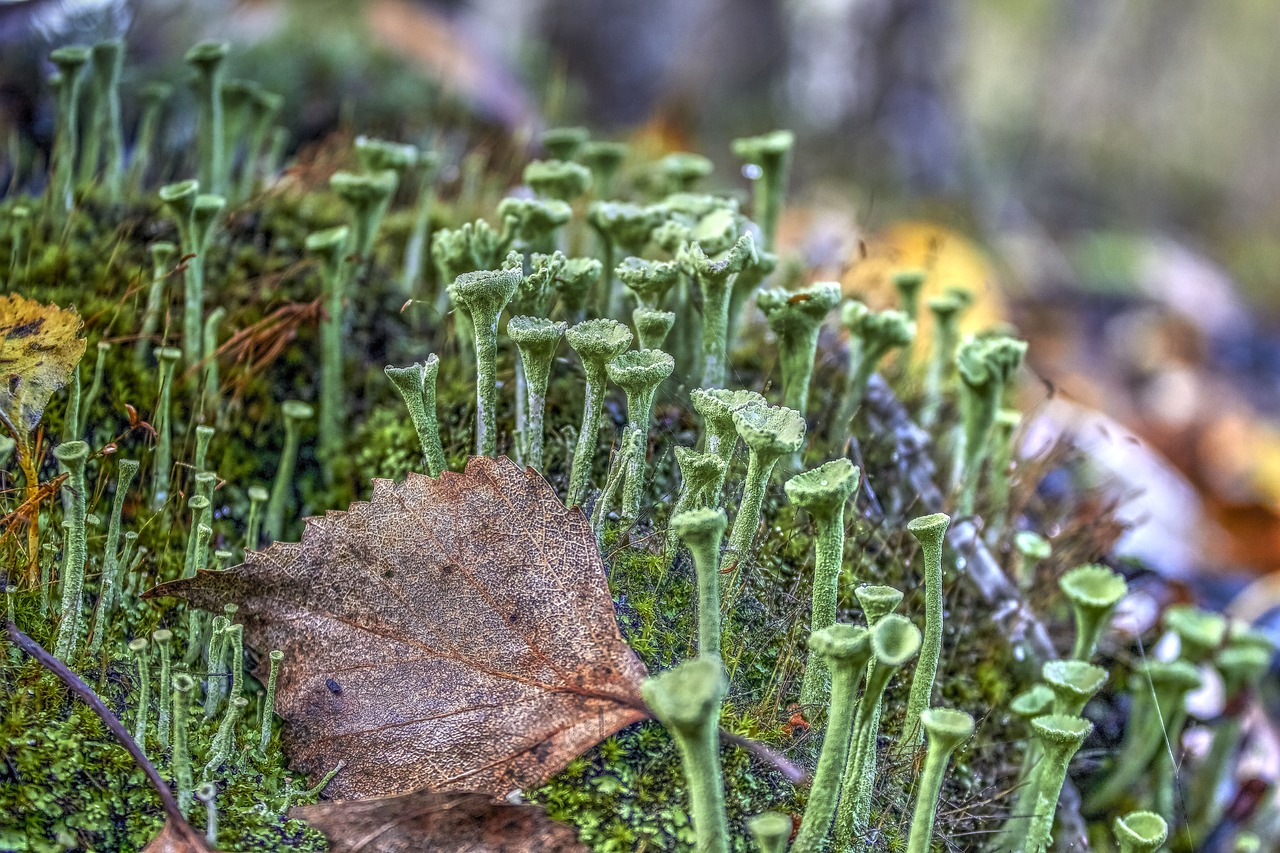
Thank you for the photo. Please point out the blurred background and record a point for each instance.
(1106, 173)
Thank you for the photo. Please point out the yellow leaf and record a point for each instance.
(39, 347)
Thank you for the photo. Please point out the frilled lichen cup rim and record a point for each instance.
(1074, 676)
(209, 203)
(297, 410)
(168, 354)
(827, 485)
(486, 289)
(719, 404)
(695, 463)
(771, 825)
(691, 522)
(1031, 544)
(1246, 662)
(197, 502)
(895, 640)
(327, 239)
(70, 55)
(928, 525)
(950, 726)
(657, 316)
(1192, 624)
(687, 164)
(1093, 585)
(687, 695)
(755, 148)
(811, 303)
(207, 52)
(1064, 729)
(1178, 674)
(364, 186)
(179, 191)
(770, 429)
(1032, 702)
(878, 597)
(257, 493)
(891, 326)
(841, 641)
(525, 329)
(633, 271)
(599, 339)
(1142, 827)
(639, 369)
(71, 450)
(553, 210)
(390, 154)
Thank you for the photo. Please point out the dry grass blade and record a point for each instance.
(444, 823)
(452, 634)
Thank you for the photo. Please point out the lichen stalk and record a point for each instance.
(330, 246)
(1060, 737)
(823, 492)
(70, 62)
(639, 374)
(845, 649)
(206, 58)
(596, 342)
(140, 653)
(269, 703)
(295, 412)
(417, 387)
(163, 639)
(126, 469)
(947, 729)
(687, 701)
(162, 254)
(183, 685)
(536, 340)
(224, 739)
(702, 531)
(484, 295)
(72, 456)
(930, 531)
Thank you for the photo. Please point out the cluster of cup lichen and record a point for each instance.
(263, 347)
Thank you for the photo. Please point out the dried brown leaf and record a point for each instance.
(177, 837)
(39, 347)
(441, 822)
(450, 634)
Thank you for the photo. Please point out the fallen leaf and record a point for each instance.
(451, 634)
(39, 347)
(441, 822)
(177, 837)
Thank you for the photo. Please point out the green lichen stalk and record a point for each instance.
(796, 317)
(947, 729)
(536, 340)
(163, 639)
(108, 62)
(162, 254)
(70, 62)
(823, 493)
(597, 342)
(770, 433)
(946, 311)
(207, 58)
(770, 154)
(483, 295)
(138, 648)
(417, 386)
(702, 531)
(1094, 591)
(126, 469)
(269, 703)
(1060, 737)
(72, 456)
(295, 413)
(330, 246)
(894, 641)
(985, 366)
(714, 277)
(930, 531)
(844, 651)
(638, 374)
(687, 701)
